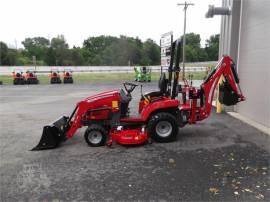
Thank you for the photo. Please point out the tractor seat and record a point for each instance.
(125, 99)
(144, 70)
(152, 94)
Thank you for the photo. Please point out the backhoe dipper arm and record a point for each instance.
(226, 68)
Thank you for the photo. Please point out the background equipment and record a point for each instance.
(160, 113)
(31, 77)
(55, 76)
(142, 74)
(18, 77)
(67, 76)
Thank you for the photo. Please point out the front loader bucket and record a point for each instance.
(227, 96)
(52, 134)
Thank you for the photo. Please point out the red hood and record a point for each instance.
(104, 94)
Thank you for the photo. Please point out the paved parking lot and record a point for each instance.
(219, 159)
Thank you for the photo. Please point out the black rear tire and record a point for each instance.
(163, 127)
(95, 135)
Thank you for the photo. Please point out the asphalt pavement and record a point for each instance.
(219, 159)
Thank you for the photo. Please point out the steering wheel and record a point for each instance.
(129, 86)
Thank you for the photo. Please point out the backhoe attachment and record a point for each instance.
(227, 95)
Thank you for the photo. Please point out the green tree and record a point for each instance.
(150, 53)
(3, 53)
(61, 51)
(36, 46)
(194, 52)
(50, 57)
(7, 56)
(212, 47)
(95, 46)
(193, 40)
(77, 56)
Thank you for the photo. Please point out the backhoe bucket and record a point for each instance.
(227, 96)
(53, 134)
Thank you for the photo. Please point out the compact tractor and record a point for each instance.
(31, 77)
(18, 77)
(142, 74)
(67, 76)
(160, 113)
(55, 76)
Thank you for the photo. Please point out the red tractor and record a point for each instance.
(31, 77)
(161, 112)
(67, 76)
(18, 77)
(55, 77)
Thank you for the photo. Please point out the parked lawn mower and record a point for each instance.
(142, 74)
(31, 77)
(67, 76)
(160, 115)
(55, 77)
(18, 77)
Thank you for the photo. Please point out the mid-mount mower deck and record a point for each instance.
(160, 115)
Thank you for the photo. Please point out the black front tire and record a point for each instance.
(156, 124)
(95, 135)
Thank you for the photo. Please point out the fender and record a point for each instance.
(158, 105)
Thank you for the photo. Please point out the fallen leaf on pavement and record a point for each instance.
(236, 193)
(259, 196)
(213, 190)
(227, 174)
(238, 182)
(234, 186)
(248, 190)
(171, 161)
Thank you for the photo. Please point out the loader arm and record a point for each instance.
(63, 128)
(226, 68)
(75, 120)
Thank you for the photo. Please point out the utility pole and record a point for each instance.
(186, 5)
(34, 62)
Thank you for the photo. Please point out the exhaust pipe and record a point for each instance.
(53, 134)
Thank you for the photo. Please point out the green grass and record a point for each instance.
(94, 77)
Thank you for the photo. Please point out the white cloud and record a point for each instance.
(79, 19)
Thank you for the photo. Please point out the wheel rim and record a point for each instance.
(95, 137)
(163, 128)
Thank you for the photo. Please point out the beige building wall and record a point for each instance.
(245, 35)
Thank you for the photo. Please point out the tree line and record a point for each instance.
(102, 50)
